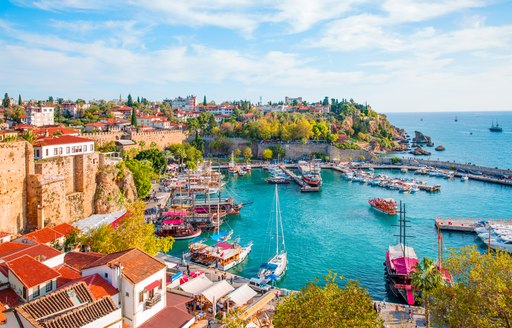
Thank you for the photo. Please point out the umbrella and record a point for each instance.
(183, 280)
(196, 274)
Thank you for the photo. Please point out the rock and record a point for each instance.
(420, 138)
(430, 144)
(440, 148)
(420, 152)
(113, 190)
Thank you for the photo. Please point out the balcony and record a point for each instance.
(150, 302)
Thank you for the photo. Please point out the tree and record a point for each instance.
(204, 101)
(237, 152)
(328, 306)
(156, 157)
(267, 154)
(132, 232)
(134, 117)
(198, 142)
(481, 293)
(129, 102)
(29, 136)
(247, 154)
(20, 102)
(7, 101)
(186, 153)
(425, 279)
(143, 173)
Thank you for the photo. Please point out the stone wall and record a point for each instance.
(103, 137)
(161, 138)
(16, 166)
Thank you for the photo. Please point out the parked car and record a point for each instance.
(259, 285)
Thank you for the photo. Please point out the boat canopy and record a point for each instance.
(197, 285)
(242, 295)
(217, 291)
(224, 245)
(173, 222)
(270, 266)
(402, 265)
(176, 213)
(397, 251)
(272, 277)
(220, 235)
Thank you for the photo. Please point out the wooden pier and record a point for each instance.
(304, 187)
(465, 225)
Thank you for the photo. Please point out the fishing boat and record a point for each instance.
(275, 268)
(278, 180)
(311, 174)
(464, 178)
(177, 229)
(495, 127)
(399, 264)
(232, 169)
(384, 205)
(220, 255)
(456, 119)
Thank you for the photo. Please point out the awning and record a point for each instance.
(176, 213)
(242, 295)
(153, 285)
(196, 285)
(173, 222)
(217, 291)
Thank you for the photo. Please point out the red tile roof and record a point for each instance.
(67, 274)
(43, 236)
(51, 130)
(121, 108)
(11, 247)
(4, 234)
(31, 272)
(64, 228)
(173, 315)
(8, 298)
(60, 140)
(137, 264)
(39, 252)
(79, 260)
(97, 285)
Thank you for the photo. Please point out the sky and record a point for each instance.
(396, 55)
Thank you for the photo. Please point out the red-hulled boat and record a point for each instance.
(178, 229)
(384, 205)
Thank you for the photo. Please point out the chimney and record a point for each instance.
(46, 134)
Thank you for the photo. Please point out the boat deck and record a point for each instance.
(304, 187)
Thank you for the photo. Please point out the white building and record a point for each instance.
(293, 101)
(188, 103)
(39, 116)
(140, 279)
(62, 146)
(69, 307)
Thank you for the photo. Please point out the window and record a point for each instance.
(92, 147)
(67, 150)
(55, 151)
(60, 150)
(37, 152)
(36, 292)
(106, 275)
(141, 296)
(127, 295)
(46, 151)
(49, 286)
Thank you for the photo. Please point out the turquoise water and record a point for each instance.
(336, 229)
(482, 147)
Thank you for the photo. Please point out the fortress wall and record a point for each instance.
(162, 139)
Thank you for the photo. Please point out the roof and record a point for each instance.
(31, 272)
(4, 234)
(60, 140)
(96, 220)
(79, 260)
(43, 236)
(39, 252)
(123, 142)
(64, 228)
(73, 306)
(67, 274)
(242, 294)
(217, 291)
(51, 130)
(197, 285)
(11, 247)
(98, 286)
(174, 315)
(137, 264)
(8, 299)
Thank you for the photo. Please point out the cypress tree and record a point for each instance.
(129, 102)
(134, 117)
(19, 100)
(7, 101)
(204, 101)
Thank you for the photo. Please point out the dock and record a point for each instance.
(465, 225)
(304, 187)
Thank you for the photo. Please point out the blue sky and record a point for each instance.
(397, 55)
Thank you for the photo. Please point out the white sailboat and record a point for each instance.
(275, 268)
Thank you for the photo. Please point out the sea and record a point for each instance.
(335, 229)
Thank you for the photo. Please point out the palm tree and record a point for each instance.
(425, 279)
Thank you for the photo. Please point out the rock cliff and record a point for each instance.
(420, 138)
(113, 189)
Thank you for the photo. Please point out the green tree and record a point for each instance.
(134, 117)
(29, 136)
(204, 101)
(7, 101)
(186, 153)
(481, 293)
(237, 152)
(132, 232)
(267, 154)
(425, 279)
(328, 306)
(198, 142)
(156, 157)
(143, 173)
(129, 102)
(20, 102)
(395, 160)
(247, 153)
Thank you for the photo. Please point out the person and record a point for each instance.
(378, 308)
(410, 315)
(383, 304)
(231, 279)
(188, 269)
(375, 307)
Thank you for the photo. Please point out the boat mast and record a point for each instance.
(277, 221)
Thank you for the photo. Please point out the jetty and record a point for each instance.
(465, 225)
(304, 187)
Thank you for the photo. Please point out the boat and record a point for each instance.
(232, 169)
(456, 119)
(220, 255)
(275, 268)
(177, 229)
(311, 173)
(399, 265)
(278, 180)
(495, 127)
(464, 178)
(384, 205)
(241, 172)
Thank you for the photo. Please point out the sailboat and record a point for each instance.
(495, 127)
(232, 169)
(456, 119)
(275, 268)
